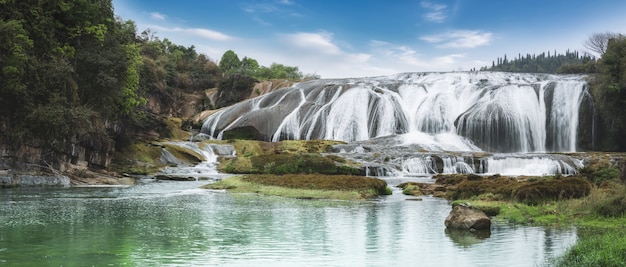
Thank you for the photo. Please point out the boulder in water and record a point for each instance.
(464, 216)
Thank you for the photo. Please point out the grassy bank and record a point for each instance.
(313, 186)
(602, 236)
(599, 213)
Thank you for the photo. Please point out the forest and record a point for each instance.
(73, 72)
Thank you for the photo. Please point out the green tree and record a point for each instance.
(229, 63)
(610, 91)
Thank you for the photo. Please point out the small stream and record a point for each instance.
(167, 223)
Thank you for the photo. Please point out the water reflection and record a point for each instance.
(465, 238)
(176, 224)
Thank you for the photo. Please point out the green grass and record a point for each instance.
(598, 216)
(605, 248)
(342, 187)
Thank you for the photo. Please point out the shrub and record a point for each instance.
(612, 206)
(600, 174)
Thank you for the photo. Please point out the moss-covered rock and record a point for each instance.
(139, 158)
(242, 133)
(302, 157)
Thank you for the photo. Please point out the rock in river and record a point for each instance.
(464, 216)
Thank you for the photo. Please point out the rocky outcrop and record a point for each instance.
(465, 217)
(74, 156)
(8, 179)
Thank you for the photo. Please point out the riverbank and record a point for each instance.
(309, 186)
(602, 234)
(594, 203)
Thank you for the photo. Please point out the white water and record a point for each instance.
(464, 111)
(533, 166)
(207, 165)
(503, 164)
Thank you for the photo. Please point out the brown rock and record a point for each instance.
(464, 216)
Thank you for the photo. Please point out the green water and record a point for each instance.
(176, 224)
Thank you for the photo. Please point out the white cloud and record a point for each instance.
(397, 53)
(402, 58)
(436, 11)
(199, 32)
(459, 39)
(316, 42)
(157, 16)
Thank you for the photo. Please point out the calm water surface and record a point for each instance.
(177, 224)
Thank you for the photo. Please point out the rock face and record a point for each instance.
(10, 180)
(464, 216)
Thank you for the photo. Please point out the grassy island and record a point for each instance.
(307, 186)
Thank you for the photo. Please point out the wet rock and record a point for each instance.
(466, 217)
(223, 150)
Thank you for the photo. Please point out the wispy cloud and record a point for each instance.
(199, 32)
(157, 16)
(403, 56)
(260, 8)
(319, 42)
(286, 2)
(398, 53)
(459, 39)
(436, 12)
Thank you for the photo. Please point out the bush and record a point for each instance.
(613, 206)
(598, 175)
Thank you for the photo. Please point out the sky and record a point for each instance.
(364, 38)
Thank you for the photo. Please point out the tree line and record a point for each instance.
(570, 62)
(71, 71)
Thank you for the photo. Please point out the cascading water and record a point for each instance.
(207, 165)
(464, 111)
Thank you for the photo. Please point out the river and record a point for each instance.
(177, 224)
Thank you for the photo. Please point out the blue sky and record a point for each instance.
(359, 38)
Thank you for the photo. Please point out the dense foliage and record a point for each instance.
(570, 62)
(70, 71)
(609, 91)
(65, 66)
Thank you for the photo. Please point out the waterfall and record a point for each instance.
(419, 166)
(460, 111)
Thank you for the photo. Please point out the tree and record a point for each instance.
(249, 66)
(610, 92)
(598, 42)
(230, 62)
